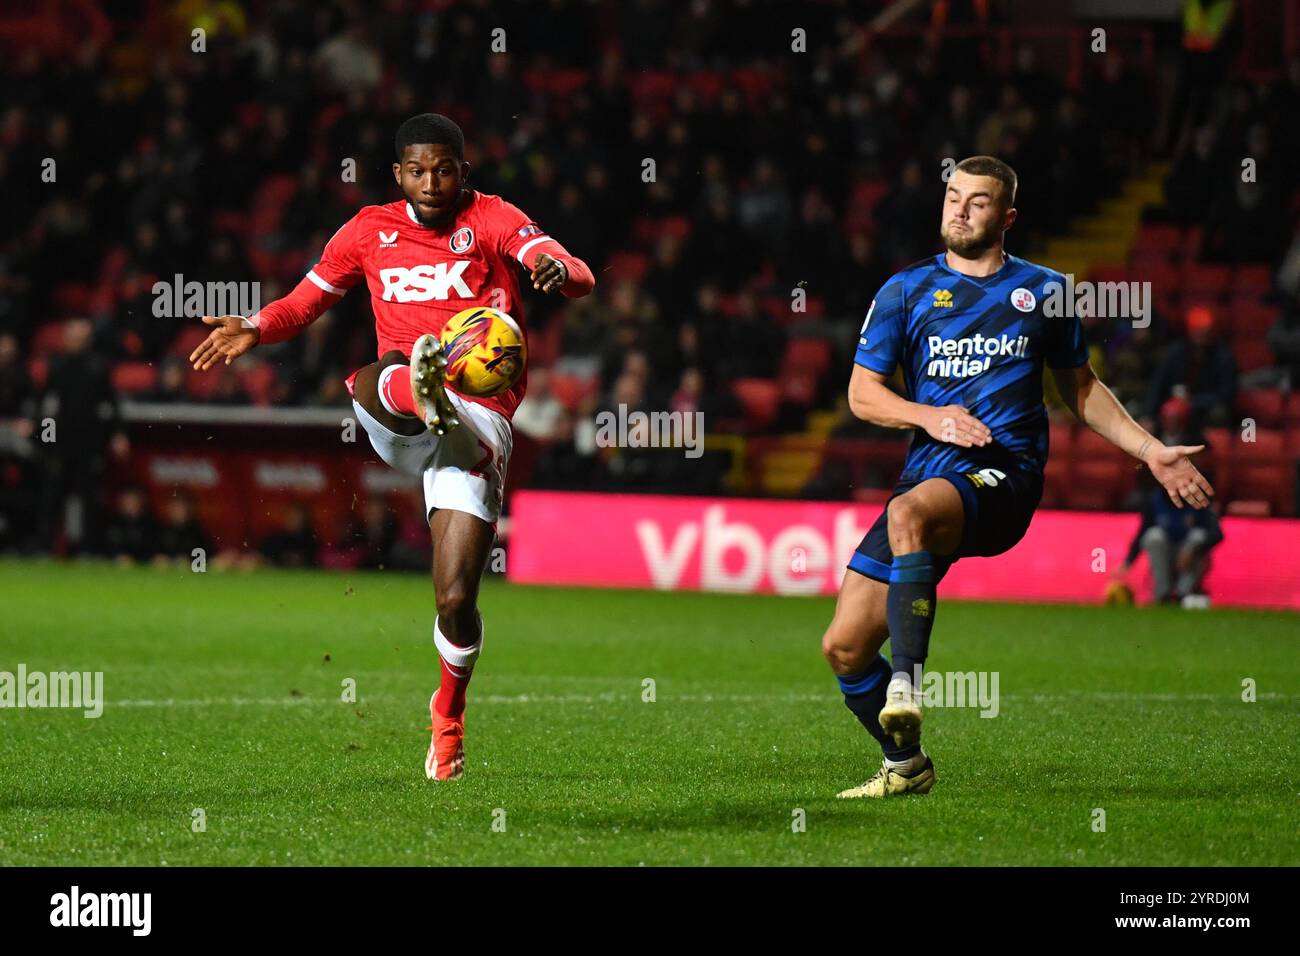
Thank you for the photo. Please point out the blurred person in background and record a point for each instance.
(539, 414)
(295, 545)
(1177, 541)
(132, 534)
(180, 533)
(79, 430)
(1202, 363)
(17, 473)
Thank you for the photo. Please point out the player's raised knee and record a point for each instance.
(844, 656)
(907, 522)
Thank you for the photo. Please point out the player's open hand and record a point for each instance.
(955, 425)
(229, 339)
(1172, 467)
(549, 274)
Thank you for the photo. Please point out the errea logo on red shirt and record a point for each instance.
(422, 283)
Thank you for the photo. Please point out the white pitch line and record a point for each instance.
(611, 697)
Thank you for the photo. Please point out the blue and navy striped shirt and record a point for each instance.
(977, 342)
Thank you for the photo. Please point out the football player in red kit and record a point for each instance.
(443, 248)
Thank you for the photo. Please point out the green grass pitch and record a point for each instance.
(223, 693)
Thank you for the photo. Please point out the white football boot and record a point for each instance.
(901, 716)
(428, 370)
(896, 779)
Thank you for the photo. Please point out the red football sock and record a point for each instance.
(395, 391)
(451, 692)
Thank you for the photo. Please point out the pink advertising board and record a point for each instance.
(801, 547)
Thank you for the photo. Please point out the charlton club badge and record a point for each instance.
(461, 240)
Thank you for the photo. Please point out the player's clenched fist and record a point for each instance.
(229, 339)
(549, 274)
(956, 426)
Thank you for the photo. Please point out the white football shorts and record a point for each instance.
(464, 470)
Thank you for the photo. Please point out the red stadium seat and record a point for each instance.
(626, 265)
(1251, 353)
(759, 397)
(1291, 446)
(570, 390)
(1262, 471)
(1100, 475)
(798, 388)
(188, 340)
(708, 86)
(48, 339)
(1251, 316)
(1164, 278)
(1205, 280)
(1292, 410)
(205, 385)
(1252, 280)
(1162, 237)
(1110, 274)
(134, 377)
(1264, 405)
(73, 298)
(807, 355)
(259, 381)
(1056, 473)
(38, 369)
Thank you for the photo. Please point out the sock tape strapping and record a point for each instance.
(453, 655)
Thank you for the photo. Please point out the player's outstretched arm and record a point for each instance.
(872, 400)
(1097, 407)
(231, 337)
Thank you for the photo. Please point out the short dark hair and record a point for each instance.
(431, 128)
(995, 168)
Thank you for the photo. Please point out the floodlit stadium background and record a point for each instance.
(799, 151)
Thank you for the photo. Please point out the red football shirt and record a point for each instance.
(420, 277)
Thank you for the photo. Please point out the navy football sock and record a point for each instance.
(864, 694)
(909, 611)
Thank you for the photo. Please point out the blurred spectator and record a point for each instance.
(538, 415)
(180, 533)
(79, 429)
(296, 545)
(132, 534)
(1284, 340)
(1202, 366)
(1177, 541)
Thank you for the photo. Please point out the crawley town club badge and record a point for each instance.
(461, 240)
(1023, 300)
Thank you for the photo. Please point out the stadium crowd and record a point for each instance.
(774, 171)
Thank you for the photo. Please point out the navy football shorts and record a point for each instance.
(999, 504)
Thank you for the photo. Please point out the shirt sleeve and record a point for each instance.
(1066, 347)
(880, 343)
(522, 239)
(340, 266)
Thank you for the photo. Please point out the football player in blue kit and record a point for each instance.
(969, 330)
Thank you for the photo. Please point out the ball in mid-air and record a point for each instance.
(485, 352)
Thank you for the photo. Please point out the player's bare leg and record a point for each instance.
(462, 544)
(366, 390)
(922, 522)
(407, 396)
(851, 645)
